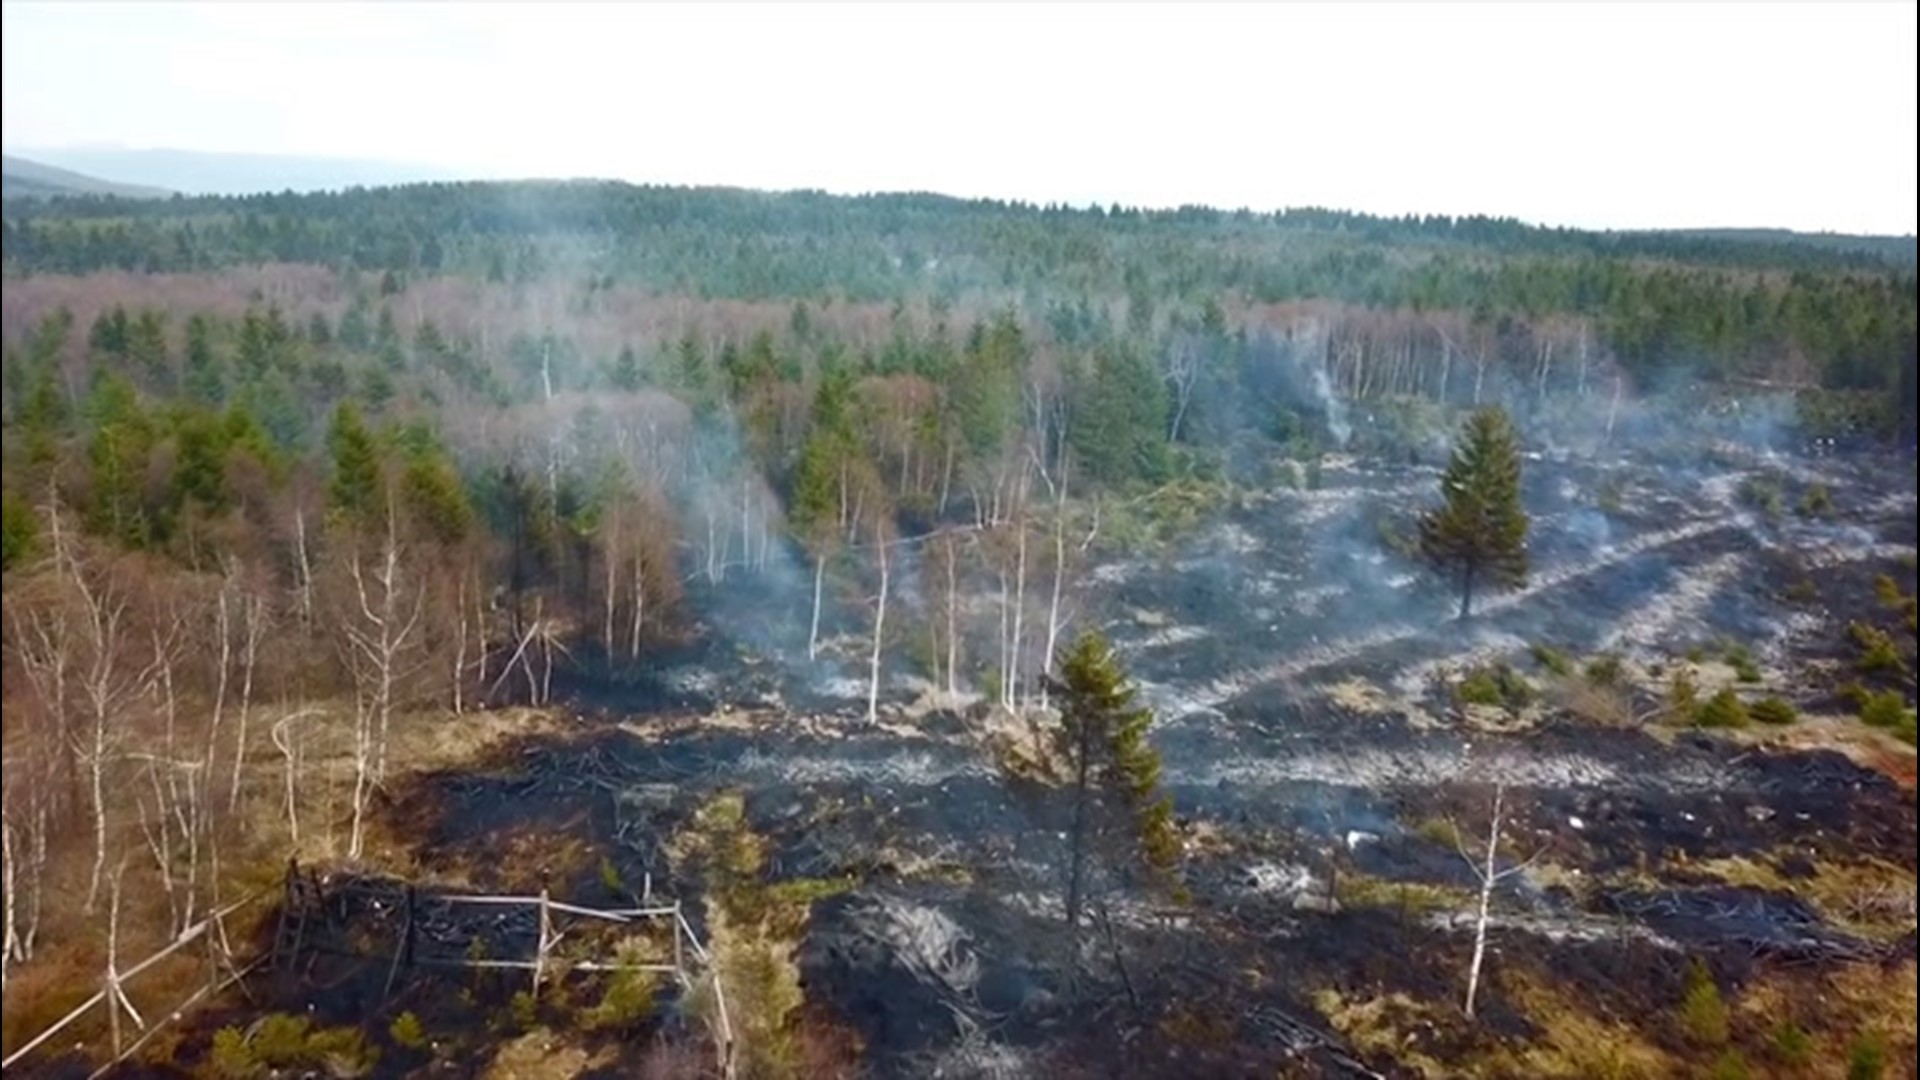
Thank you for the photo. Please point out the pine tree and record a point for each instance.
(1118, 811)
(147, 349)
(626, 370)
(355, 487)
(19, 530)
(1478, 535)
(206, 383)
(436, 496)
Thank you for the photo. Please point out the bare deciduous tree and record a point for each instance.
(379, 626)
(879, 623)
(1486, 867)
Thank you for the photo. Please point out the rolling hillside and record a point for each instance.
(23, 179)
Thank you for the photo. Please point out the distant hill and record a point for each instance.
(23, 179)
(196, 172)
(1894, 249)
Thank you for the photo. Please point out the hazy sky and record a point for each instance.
(1616, 114)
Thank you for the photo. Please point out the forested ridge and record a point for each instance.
(419, 448)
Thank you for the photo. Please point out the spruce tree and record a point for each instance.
(206, 383)
(626, 374)
(1118, 811)
(355, 489)
(1478, 534)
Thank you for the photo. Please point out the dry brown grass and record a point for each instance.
(254, 844)
(1834, 1008)
(1389, 1027)
(1573, 1041)
(1605, 706)
(1868, 897)
(542, 1054)
(1868, 747)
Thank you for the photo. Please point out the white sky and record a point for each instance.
(1607, 115)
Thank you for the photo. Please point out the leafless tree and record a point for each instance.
(380, 628)
(879, 622)
(1486, 867)
(1181, 369)
(287, 740)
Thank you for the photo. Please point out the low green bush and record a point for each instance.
(408, 1032)
(1703, 1013)
(1885, 709)
(1740, 658)
(1605, 670)
(1730, 1065)
(1723, 710)
(1816, 501)
(1790, 1045)
(1877, 651)
(1553, 660)
(1496, 685)
(1773, 709)
(1867, 1058)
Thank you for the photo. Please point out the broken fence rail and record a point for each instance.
(306, 896)
(113, 996)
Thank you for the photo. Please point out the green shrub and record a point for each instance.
(341, 1052)
(1740, 659)
(1722, 710)
(610, 878)
(1605, 670)
(280, 1039)
(1884, 709)
(1774, 709)
(1696, 654)
(1440, 831)
(19, 531)
(1398, 537)
(1762, 493)
(1478, 688)
(1730, 1065)
(1553, 660)
(524, 1009)
(1816, 501)
(1877, 651)
(230, 1057)
(1887, 591)
(1496, 685)
(407, 1032)
(990, 684)
(628, 998)
(288, 1041)
(1867, 1058)
(1791, 1045)
(1854, 694)
(1703, 1015)
(1803, 591)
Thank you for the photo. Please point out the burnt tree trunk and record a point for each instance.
(1077, 853)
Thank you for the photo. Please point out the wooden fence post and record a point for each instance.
(679, 944)
(412, 908)
(546, 931)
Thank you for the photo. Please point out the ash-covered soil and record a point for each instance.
(1323, 780)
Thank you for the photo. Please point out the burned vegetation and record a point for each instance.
(605, 646)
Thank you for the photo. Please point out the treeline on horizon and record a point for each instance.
(900, 331)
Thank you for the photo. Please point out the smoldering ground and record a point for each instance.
(945, 953)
